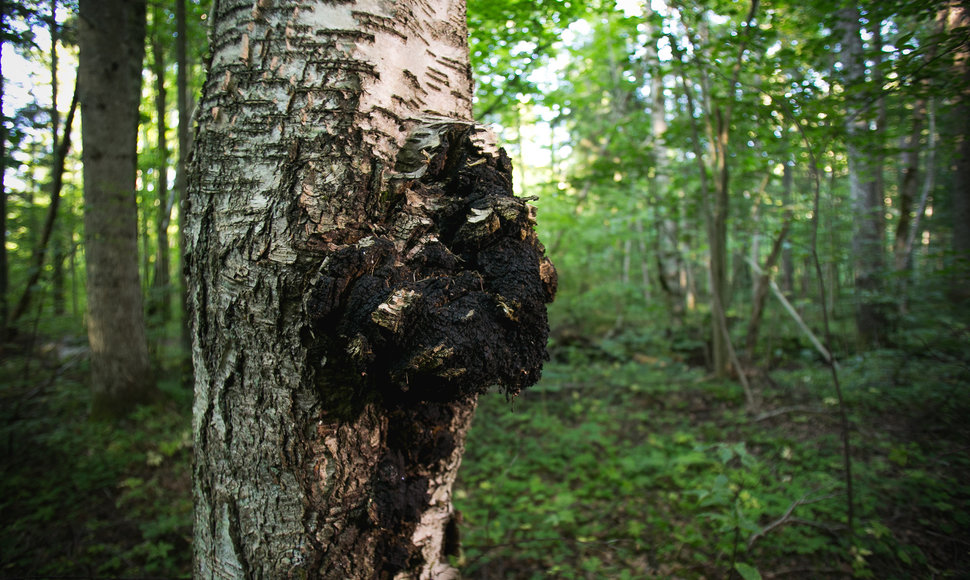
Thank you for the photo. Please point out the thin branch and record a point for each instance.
(795, 316)
(785, 410)
(787, 519)
(833, 367)
(806, 572)
(41, 250)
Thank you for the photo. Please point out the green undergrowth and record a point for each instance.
(649, 470)
(616, 465)
(90, 500)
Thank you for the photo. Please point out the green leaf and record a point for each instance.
(747, 571)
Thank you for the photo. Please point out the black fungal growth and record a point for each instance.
(418, 440)
(451, 299)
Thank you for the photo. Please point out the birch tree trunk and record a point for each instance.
(668, 255)
(111, 39)
(359, 273)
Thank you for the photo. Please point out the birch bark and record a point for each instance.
(359, 274)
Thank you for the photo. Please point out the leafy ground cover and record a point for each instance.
(645, 469)
(632, 467)
(89, 500)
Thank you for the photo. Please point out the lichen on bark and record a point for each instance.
(447, 297)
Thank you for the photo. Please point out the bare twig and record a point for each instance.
(833, 367)
(805, 572)
(787, 519)
(826, 355)
(793, 409)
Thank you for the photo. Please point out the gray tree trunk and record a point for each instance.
(60, 240)
(864, 187)
(359, 273)
(670, 266)
(161, 294)
(909, 159)
(111, 38)
(959, 291)
(787, 263)
(182, 102)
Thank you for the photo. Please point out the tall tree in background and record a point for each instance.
(62, 146)
(670, 262)
(4, 268)
(958, 21)
(182, 103)
(161, 280)
(717, 120)
(60, 241)
(864, 182)
(111, 38)
(359, 273)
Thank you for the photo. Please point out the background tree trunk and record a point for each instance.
(668, 255)
(960, 284)
(787, 262)
(908, 187)
(161, 281)
(111, 37)
(185, 121)
(359, 273)
(4, 268)
(57, 260)
(865, 194)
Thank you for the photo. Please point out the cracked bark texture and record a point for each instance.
(360, 273)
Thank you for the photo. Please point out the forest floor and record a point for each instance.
(606, 469)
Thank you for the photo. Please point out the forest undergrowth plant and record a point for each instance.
(90, 498)
(627, 464)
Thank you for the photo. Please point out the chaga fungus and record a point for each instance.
(450, 298)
